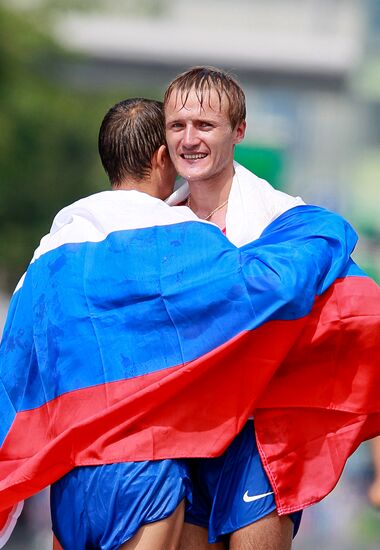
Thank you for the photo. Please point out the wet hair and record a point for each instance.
(131, 132)
(204, 79)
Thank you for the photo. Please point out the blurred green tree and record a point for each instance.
(48, 141)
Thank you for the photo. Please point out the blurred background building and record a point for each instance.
(311, 72)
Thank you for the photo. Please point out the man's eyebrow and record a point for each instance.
(200, 118)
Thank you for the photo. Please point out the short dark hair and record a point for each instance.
(202, 80)
(131, 132)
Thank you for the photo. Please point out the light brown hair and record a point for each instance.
(202, 80)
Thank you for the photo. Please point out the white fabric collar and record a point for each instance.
(253, 204)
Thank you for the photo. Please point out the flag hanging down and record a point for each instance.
(139, 332)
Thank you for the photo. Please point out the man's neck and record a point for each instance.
(208, 199)
(146, 185)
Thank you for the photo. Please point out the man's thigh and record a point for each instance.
(232, 494)
(272, 532)
(269, 533)
(106, 506)
(160, 535)
(195, 537)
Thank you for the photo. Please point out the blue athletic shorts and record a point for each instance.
(104, 506)
(233, 490)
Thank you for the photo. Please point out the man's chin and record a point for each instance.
(191, 172)
(193, 178)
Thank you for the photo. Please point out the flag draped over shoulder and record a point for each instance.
(139, 332)
(323, 400)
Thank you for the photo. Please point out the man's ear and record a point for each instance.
(240, 131)
(161, 156)
(165, 172)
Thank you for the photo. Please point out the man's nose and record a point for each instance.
(190, 137)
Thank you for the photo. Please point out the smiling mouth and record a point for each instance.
(194, 156)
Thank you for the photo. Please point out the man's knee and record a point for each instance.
(273, 532)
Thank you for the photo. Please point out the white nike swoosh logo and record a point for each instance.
(247, 498)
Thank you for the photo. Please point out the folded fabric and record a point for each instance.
(141, 333)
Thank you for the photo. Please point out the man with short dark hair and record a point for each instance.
(137, 505)
(131, 139)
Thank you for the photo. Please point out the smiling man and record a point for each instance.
(204, 121)
(233, 501)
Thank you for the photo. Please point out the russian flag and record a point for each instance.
(139, 333)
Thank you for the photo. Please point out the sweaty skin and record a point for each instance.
(201, 145)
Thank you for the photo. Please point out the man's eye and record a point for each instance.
(205, 125)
